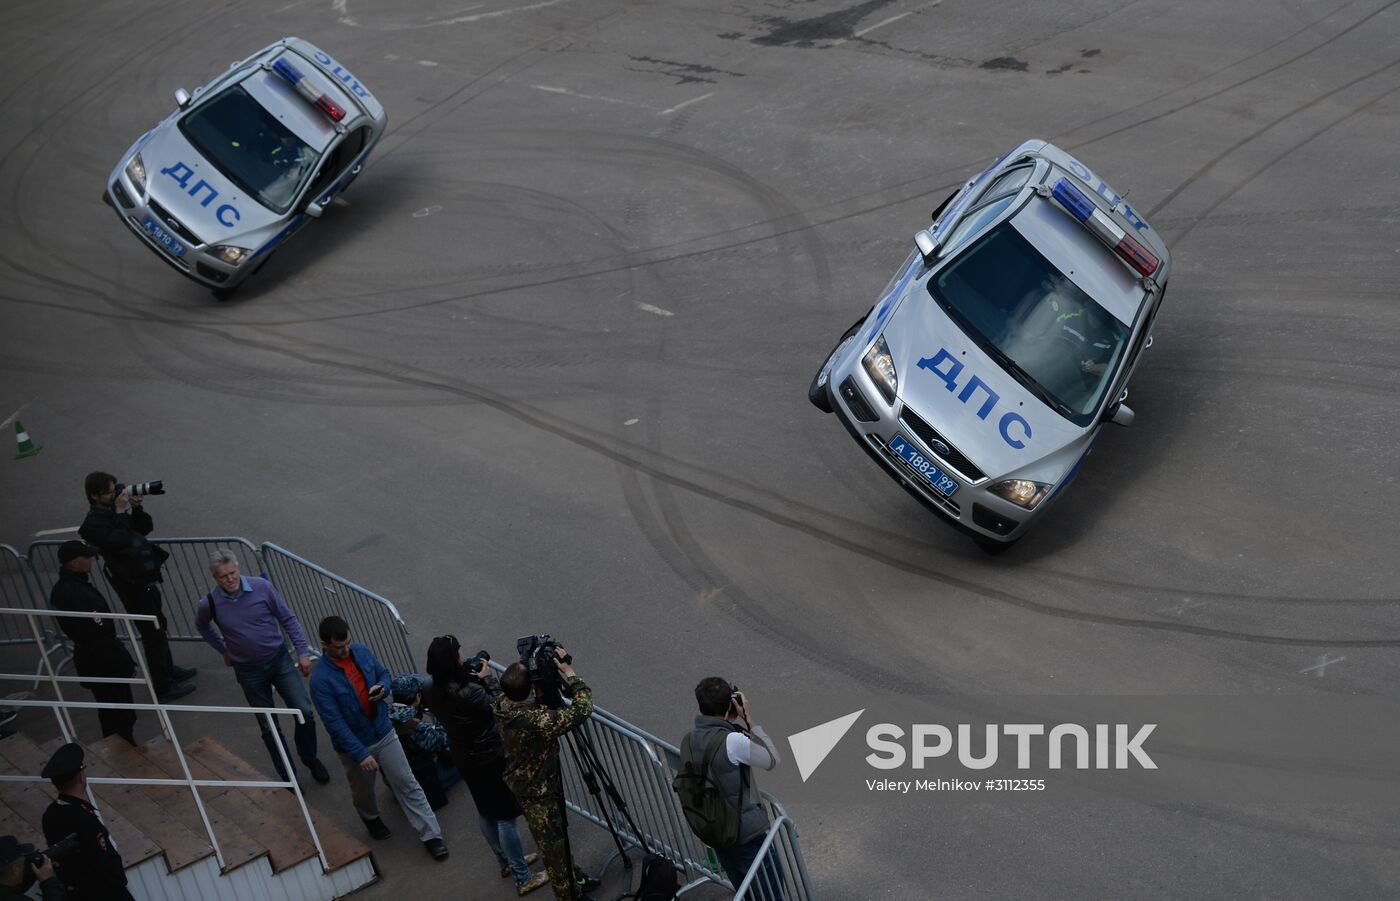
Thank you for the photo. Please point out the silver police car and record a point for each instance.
(982, 375)
(245, 161)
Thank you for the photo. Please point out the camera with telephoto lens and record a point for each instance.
(155, 486)
(56, 852)
(537, 652)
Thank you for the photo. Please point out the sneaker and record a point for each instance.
(318, 770)
(585, 882)
(174, 692)
(377, 830)
(529, 859)
(536, 881)
(182, 673)
(436, 847)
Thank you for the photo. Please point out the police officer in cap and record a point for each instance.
(97, 651)
(18, 872)
(94, 871)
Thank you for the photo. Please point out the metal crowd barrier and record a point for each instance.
(314, 593)
(16, 590)
(642, 766)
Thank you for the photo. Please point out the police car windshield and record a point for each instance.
(251, 147)
(1042, 329)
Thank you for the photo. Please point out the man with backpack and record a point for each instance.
(716, 787)
(243, 618)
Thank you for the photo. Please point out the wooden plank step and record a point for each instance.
(286, 844)
(341, 848)
(182, 845)
(237, 847)
(29, 802)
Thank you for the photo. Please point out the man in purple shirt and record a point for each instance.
(243, 618)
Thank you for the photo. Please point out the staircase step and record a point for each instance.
(145, 762)
(182, 845)
(340, 847)
(21, 757)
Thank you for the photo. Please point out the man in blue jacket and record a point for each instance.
(350, 689)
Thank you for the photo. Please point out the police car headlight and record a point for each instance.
(1021, 492)
(136, 171)
(879, 365)
(227, 253)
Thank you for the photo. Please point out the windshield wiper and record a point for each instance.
(1026, 380)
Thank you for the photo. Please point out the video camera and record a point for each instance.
(55, 852)
(140, 489)
(537, 652)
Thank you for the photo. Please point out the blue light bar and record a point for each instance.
(1072, 199)
(287, 71)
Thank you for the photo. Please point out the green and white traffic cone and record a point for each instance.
(27, 447)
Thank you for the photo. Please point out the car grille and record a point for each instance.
(916, 479)
(954, 458)
(168, 221)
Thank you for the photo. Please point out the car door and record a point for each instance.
(338, 167)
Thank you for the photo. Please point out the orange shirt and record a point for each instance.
(357, 679)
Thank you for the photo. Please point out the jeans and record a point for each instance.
(767, 883)
(257, 681)
(504, 840)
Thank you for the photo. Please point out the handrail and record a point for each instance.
(61, 706)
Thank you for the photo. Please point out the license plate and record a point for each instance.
(924, 466)
(164, 238)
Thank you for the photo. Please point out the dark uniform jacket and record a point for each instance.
(94, 870)
(531, 734)
(49, 890)
(464, 709)
(127, 555)
(96, 648)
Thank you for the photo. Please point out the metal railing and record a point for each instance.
(314, 593)
(642, 766)
(61, 707)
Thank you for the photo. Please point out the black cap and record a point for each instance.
(72, 550)
(11, 850)
(65, 763)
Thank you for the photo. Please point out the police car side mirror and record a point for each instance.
(1122, 414)
(927, 245)
(314, 210)
(182, 97)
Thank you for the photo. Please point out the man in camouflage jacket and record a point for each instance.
(531, 733)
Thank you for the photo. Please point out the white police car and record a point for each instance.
(245, 161)
(982, 375)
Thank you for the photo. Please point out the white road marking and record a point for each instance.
(63, 531)
(1321, 667)
(427, 62)
(427, 211)
(632, 422)
(288, 6)
(890, 21)
(667, 112)
(11, 417)
(339, 6)
(648, 308)
(568, 93)
(494, 13)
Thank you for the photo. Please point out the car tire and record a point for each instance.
(816, 393)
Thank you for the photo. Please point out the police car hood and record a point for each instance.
(193, 190)
(977, 406)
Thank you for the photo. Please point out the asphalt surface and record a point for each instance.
(544, 370)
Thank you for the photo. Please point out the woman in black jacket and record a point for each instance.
(462, 701)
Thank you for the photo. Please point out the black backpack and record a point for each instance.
(712, 816)
(660, 880)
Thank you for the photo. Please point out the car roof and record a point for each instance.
(1081, 257)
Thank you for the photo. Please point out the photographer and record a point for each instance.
(735, 750)
(462, 697)
(531, 733)
(117, 525)
(18, 872)
(93, 870)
